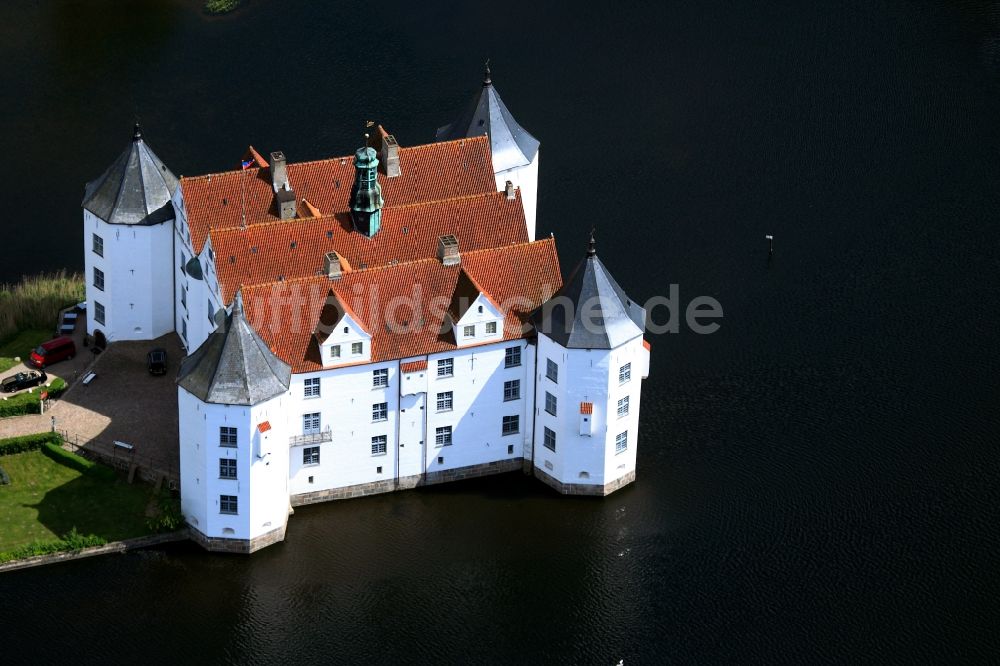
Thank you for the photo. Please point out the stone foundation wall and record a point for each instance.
(473, 471)
(584, 488)
(238, 546)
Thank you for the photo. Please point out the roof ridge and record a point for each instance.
(369, 269)
(335, 158)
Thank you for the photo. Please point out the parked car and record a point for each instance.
(22, 380)
(156, 361)
(53, 351)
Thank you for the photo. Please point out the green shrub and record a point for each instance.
(79, 463)
(221, 6)
(36, 300)
(72, 541)
(169, 517)
(28, 442)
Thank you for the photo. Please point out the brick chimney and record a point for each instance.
(390, 155)
(283, 195)
(509, 191)
(331, 266)
(448, 250)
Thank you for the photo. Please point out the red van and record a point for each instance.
(53, 351)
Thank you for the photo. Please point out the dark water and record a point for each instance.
(817, 481)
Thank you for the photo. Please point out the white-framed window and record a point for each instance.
(442, 436)
(380, 411)
(227, 468)
(356, 348)
(379, 445)
(550, 440)
(512, 357)
(310, 455)
(444, 401)
(511, 425)
(310, 387)
(625, 373)
(621, 441)
(335, 351)
(380, 377)
(469, 331)
(98, 278)
(550, 403)
(446, 367)
(512, 390)
(623, 407)
(552, 370)
(99, 313)
(227, 436)
(491, 327)
(228, 504)
(98, 245)
(310, 423)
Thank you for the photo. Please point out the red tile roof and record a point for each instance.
(295, 248)
(586, 408)
(428, 173)
(264, 426)
(403, 305)
(413, 366)
(645, 343)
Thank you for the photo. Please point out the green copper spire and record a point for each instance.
(366, 195)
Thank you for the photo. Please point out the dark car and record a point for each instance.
(22, 380)
(156, 361)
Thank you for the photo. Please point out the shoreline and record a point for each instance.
(122, 546)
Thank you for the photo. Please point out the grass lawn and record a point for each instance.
(21, 345)
(46, 499)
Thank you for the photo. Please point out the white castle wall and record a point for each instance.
(138, 288)
(525, 177)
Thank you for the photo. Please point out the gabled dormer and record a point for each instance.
(472, 314)
(340, 334)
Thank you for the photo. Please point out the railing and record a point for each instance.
(311, 438)
(122, 458)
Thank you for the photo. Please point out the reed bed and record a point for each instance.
(35, 301)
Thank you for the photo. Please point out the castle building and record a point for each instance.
(363, 324)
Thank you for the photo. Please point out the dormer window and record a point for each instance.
(356, 348)
(491, 327)
(480, 309)
(468, 331)
(335, 351)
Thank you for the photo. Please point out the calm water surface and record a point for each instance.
(817, 482)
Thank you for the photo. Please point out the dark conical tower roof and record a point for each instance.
(590, 311)
(234, 366)
(135, 190)
(512, 146)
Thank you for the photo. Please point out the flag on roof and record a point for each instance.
(247, 163)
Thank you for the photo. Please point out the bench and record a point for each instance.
(123, 445)
(91, 376)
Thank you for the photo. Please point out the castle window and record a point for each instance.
(227, 436)
(550, 439)
(480, 309)
(335, 351)
(380, 378)
(98, 278)
(442, 436)
(491, 327)
(311, 387)
(446, 367)
(356, 348)
(511, 425)
(444, 401)
(310, 423)
(98, 245)
(211, 311)
(621, 442)
(228, 504)
(512, 357)
(98, 312)
(512, 390)
(625, 373)
(380, 411)
(623, 407)
(551, 370)
(227, 468)
(310, 455)
(550, 403)
(379, 445)
(468, 331)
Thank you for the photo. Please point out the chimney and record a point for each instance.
(284, 197)
(448, 250)
(509, 191)
(331, 265)
(390, 155)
